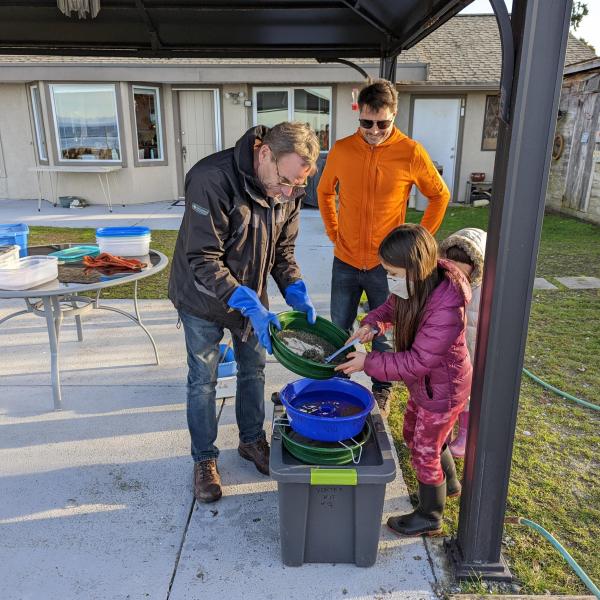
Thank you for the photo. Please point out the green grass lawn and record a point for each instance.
(555, 478)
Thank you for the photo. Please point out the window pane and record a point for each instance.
(313, 106)
(86, 122)
(40, 134)
(271, 107)
(147, 120)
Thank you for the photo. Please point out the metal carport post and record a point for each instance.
(539, 32)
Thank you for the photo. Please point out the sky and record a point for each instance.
(589, 29)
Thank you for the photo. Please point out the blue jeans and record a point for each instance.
(347, 286)
(202, 339)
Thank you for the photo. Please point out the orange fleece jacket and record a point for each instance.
(374, 186)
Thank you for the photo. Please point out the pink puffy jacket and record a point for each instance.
(437, 369)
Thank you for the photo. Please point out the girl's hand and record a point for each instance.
(355, 364)
(363, 334)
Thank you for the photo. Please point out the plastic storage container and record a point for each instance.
(332, 514)
(75, 253)
(227, 365)
(15, 233)
(29, 272)
(226, 372)
(9, 256)
(124, 241)
(325, 394)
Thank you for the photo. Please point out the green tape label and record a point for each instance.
(333, 476)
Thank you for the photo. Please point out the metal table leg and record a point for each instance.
(105, 190)
(77, 322)
(137, 318)
(53, 326)
(38, 175)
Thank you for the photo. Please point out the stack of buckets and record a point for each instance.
(331, 470)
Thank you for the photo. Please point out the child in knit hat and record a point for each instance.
(466, 248)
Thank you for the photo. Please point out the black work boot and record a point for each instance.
(382, 397)
(453, 486)
(426, 519)
(258, 453)
(207, 481)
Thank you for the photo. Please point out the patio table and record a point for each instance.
(64, 297)
(57, 170)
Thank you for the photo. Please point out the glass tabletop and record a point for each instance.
(76, 277)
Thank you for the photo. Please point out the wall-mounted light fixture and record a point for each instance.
(235, 97)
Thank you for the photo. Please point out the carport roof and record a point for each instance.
(213, 28)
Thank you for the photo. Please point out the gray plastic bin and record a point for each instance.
(332, 514)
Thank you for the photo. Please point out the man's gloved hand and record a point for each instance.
(248, 303)
(296, 296)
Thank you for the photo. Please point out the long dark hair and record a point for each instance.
(413, 248)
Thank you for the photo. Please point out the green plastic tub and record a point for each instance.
(324, 453)
(304, 367)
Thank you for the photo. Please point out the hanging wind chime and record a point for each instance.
(83, 8)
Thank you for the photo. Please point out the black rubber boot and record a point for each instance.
(453, 487)
(426, 519)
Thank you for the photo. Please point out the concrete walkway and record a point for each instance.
(97, 500)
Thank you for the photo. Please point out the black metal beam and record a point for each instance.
(517, 208)
(155, 40)
(434, 20)
(364, 14)
(387, 68)
(348, 63)
(508, 56)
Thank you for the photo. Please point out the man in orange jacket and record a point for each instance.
(374, 170)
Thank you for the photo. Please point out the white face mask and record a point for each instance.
(398, 286)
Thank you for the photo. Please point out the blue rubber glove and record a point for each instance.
(296, 296)
(248, 303)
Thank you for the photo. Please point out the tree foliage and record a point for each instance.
(579, 11)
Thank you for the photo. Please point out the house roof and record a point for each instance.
(464, 51)
(592, 64)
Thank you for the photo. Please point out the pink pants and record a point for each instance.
(425, 433)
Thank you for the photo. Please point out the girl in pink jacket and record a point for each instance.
(426, 310)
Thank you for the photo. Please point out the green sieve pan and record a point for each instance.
(326, 330)
(325, 453)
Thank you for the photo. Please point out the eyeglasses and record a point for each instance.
(368, 123)
(296, 189)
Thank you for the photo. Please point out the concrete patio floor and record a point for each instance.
(97, 499)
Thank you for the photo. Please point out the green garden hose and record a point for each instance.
(573, 564)
(560, 392)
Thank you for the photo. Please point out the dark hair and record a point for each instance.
(459, 255)
(413, 248)
(379, 94)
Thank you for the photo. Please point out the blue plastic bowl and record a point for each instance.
(323, 428)
(227, 365)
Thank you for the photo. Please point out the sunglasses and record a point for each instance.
(368, 124)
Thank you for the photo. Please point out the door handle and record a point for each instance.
(184, 152)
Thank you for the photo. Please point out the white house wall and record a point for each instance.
(18, 150)
(473, 158)
(134, 185)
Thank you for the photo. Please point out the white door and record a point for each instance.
(199, 117)
(436, 126)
